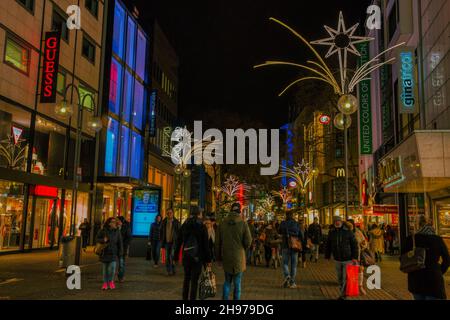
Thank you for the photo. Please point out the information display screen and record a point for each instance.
(145, 209)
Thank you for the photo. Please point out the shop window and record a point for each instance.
(17, 55)
(118, 34)
(14, 137)
(114, 87)
(11, 208)
(92, 6)
(136, 156)
(124, 151)
(111, 146)
(127, 96)
(88, 50)
(88, 102)
(131, 42)
(59, 23)
(138, 108)
(141, 55)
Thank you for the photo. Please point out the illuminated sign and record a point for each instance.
(144, 211)
(166, 143)
(50, 67)
(407, 82)
(17, 132)
(44, 191)
(324, 119)
(152, 131)
(292, 184)
(365, 108)
(340, 172)
(390, 172)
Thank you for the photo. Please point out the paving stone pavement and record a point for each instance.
(37, 276)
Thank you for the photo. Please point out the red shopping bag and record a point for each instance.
(180, 256)
(352, 283)
(163, 255)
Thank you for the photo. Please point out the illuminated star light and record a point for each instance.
(342, 41)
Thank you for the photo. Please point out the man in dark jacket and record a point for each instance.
(170, 228)
(125, 232)
(428, 283)
(85, 229)
(289, 228)
(252, 228)
(193, 236)
(315, 234)
(155, 240)
(232, 241)
(342, 244)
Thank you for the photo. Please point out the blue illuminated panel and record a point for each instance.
(144, 211)
(111, 146)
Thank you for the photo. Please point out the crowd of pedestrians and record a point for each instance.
(236, 243)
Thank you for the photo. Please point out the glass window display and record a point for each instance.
(11, 212)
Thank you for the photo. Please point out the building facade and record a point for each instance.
(409, 171)
(37, 145)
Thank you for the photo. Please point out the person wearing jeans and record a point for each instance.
(315, 234)
(169, 232)
(154, 237)
(289, 228)
(342, 245)
(234, 279)
(233, 239)
(109, 269)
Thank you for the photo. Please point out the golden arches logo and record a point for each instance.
(340, 172)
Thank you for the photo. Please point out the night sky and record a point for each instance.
(219, 41)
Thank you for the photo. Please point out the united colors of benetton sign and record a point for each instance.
(365, 107)
(50, 67)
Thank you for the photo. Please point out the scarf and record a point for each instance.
(426, 229)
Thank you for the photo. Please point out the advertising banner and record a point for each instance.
(365, 108)
(146, 206)
(50, 67)
(407, 83)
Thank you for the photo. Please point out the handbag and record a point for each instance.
(309, 244)
(367, 258)
(207, 286)
(413, 260)
(100, 248)
(352, 281)
(294, 243)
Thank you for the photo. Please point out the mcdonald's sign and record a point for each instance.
(340, 172)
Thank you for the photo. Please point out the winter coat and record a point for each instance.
(271, 235)
(175, 231)
(342, 244)
(289, 228)
(155, 232)
(125, 232)
(376, 240)
(193, 227)
(429, 281)
(114, 249)
(85, 228)
(233, 239)
(315, 233)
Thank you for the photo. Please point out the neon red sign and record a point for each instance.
(44, 191)
(324, 119)
(50, 67)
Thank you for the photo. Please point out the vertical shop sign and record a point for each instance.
(407, 84)
(365, 108)
(153, 114)
(50, 67)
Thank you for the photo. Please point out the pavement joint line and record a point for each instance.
(12, 280)
(82, 266)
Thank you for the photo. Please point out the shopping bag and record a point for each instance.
(148, 255)
(207, 286)
(352, 285)
(163, 255)
(180, 256)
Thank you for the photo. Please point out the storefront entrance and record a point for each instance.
(42, 219)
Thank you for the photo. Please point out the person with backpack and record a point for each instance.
(155, 240)
(193, 238)
(289, 228)
(232, 242)
(111, 240)
(428, 283)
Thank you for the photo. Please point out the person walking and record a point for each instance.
(232, 242)
(428, 283)
(110, 236)
(85, 228)
(193, 238)
(253, 232)
(125, 232)
(270, 246)
(390, 236)
(341, 243)
(155, 240)
(289, 228)
(169, 232)
(304, 239)
(315, 234)
(376, 238)
(211, 236)
(361, 240)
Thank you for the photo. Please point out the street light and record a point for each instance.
(65, 110)
(347, 104)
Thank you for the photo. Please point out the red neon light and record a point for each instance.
(50, 67)
(44, 191)
(324, 119)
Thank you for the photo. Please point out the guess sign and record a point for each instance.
(50, 67)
